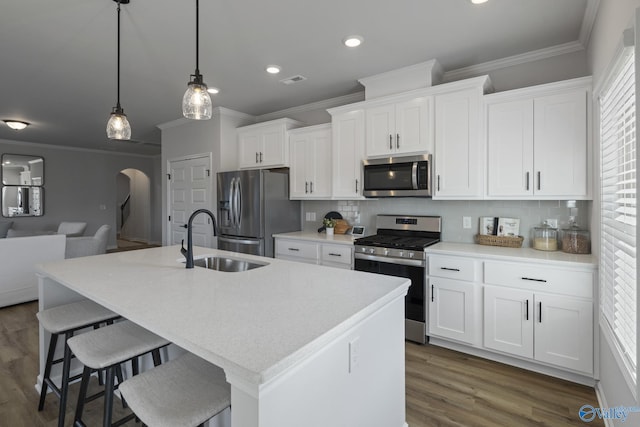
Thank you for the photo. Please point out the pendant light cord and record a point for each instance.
(197, 37)
(118, 101)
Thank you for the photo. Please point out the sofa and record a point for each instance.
(20, 255)
(70, 229)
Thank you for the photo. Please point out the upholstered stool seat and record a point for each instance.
(106, 349)
(184, 392)
(67, 320)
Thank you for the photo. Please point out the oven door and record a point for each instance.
(414, 309)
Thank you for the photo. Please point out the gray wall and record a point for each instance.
(613, 17)
(80, 185)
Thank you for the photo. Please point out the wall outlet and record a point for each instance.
(354, 350)
(552, 222)
(466, 222)
(310, 216)
(313, 216)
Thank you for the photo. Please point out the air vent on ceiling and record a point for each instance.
(293, 79)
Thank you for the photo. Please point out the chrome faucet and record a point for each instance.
(188, 253)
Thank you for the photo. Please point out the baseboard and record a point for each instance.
(602, 403)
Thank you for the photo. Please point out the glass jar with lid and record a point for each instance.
(576, 240)
(545, 238)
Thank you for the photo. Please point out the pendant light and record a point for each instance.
(118, 126)
(196, 102)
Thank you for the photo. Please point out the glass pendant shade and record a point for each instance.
(196, 102)
(118, 126)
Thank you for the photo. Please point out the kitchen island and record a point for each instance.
(300, 344)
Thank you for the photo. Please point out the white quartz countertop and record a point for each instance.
(254, 324)
(557, 258)
(343, 239)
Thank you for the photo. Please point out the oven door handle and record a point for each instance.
(401, 261)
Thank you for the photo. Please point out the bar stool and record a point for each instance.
(106, 349)
(184, 392)
(67, 320)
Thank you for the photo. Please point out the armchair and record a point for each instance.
(88, 245)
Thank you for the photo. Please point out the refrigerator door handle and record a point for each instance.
(232, 210)
(239, 241)
(239, 201)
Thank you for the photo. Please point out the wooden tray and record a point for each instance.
(506, 241)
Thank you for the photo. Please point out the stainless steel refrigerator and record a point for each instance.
(252, 206)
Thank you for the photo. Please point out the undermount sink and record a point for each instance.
(231, 265)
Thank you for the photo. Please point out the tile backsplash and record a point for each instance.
(530, 212)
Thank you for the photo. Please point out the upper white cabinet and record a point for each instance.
(458, 157)
(538, 142)
(400, 127)
(348, 152)
(310, 158)
(265, 145)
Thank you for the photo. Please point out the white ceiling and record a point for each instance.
(58, 67)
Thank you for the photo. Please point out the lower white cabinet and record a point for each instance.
(554, 329)
(453, 309)
(315, 252)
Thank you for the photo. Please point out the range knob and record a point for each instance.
(411, 254)
(400, 254)
(363, 249)
(372, 251)
(386, 251)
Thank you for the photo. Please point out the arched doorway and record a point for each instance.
(133, 213)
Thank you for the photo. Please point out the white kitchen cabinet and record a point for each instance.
(537, 142)
(348, 152)
(310, 158)
(316, 251)
(545, 314)
(399, 128)
(265, 145)
(458, 158)
(454, 299)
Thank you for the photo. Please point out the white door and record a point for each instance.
(564, 332)
(381, 129)
(348, 152)
(189, 190)
(508, 320)
(414, 128)
(451, 309)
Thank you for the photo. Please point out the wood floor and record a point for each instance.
(444, 388)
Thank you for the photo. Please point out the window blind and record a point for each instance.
(618, 207)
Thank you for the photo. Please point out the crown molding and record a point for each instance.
(588, 21)
(218, 111)
(320, 105)
(71, 148)
(510, 61)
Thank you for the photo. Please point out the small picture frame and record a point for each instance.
(357, 230)
(508, 227)
(488, 226)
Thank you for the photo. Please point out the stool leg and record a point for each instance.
(84, 385)
(47, 370)
(108, 396)
(64, 382)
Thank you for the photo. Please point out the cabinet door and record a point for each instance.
(452, 309)
(300, 146)
(510, 148)
(381, 130)
(348, 153)
(508, 320)
(249, 147)
(414, 128)
(297, 250)
(319, 164)
(560, 156)
(564, 332)
(458, 152)
(274, 150)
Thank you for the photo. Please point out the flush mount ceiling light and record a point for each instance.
(478, 1)
(16, 124)
(272, 69)
(353, 41)
(118, 126)
(196, 102)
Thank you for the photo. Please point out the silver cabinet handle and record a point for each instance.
(540, 312)
(261, 157)
(527, 181)
(306, 187)
(356, 185)
(256, 157)
(534, 280)
(332, 254)
(294, 249)
(311, 186)
(438, 182)
(539, 180)
(526, 310)
(432, 292)
(390, 142)
(449, 269)
(397, 140)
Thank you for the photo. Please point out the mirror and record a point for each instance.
(22, 193)
(22, 201)
(22, 170)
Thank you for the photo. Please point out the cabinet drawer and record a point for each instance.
(295, 248)
(458, 268)
(333, 254)
(539, 278)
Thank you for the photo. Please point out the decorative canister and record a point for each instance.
(576, 240)
(545, 238)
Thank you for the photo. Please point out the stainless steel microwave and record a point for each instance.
(398, 177)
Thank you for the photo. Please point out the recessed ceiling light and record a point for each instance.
(16, 124)
(213, 90)
(353, 41)
(478, 1)
(273, 69)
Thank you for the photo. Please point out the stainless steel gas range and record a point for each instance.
(398, 250)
